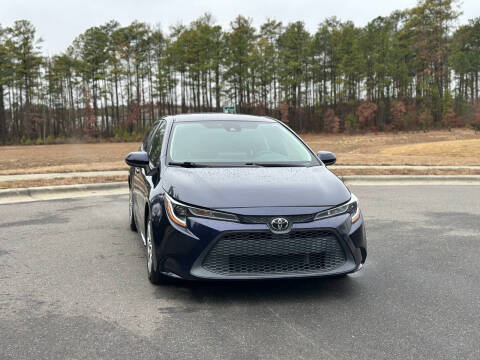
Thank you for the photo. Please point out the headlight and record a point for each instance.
(179, 212)
(350, 207)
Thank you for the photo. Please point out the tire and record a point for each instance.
(131, 214)
(154, 275)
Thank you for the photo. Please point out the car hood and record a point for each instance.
(254, 187)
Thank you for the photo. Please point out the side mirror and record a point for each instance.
(138, 159)
(327, 157)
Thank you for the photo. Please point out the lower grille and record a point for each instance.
(244, 253)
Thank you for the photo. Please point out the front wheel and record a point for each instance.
(154, 275)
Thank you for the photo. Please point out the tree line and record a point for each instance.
(414, 69)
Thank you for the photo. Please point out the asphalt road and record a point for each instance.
(73, 285)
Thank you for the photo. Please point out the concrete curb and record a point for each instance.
(61, 191)
(408, 167)
(117, 188)
(78, 174)
(411, 179)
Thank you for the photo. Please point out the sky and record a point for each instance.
(58, 22)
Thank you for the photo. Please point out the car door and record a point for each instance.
(145, 182)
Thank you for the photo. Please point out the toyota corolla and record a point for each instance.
(218, 197)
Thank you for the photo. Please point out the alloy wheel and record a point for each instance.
(149, 248)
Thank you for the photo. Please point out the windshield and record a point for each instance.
(237, 143)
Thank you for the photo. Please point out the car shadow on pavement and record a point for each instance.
(286, 290)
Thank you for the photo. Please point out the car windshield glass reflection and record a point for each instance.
(236, 143)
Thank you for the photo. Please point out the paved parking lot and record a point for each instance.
(73, 285)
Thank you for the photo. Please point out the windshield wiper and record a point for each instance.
(187, 164)
(266, 164)
(190, 164)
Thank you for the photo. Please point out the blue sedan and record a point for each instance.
(219, 197)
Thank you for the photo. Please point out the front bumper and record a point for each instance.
(182, 252)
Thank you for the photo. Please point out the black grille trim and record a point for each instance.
(263, 253)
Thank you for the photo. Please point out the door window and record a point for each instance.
(156, 144)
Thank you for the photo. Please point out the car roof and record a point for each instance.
(218, 116)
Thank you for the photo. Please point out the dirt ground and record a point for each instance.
(458, 147)
(64, 158)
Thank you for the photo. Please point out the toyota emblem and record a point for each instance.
(279, 224)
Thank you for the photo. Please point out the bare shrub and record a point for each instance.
(284, 112)
(399, 115)
(331, 122)
(366, 113)
(90, 126)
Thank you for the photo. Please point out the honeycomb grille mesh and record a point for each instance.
(264, 253)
